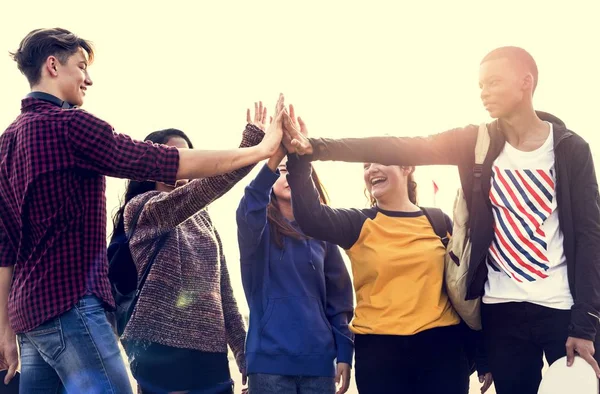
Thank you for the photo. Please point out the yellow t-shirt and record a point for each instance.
(398, 269)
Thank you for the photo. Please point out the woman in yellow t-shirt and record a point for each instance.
(408, 338)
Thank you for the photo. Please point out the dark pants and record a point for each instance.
(517, 335)
(430, 362)
(159, 369)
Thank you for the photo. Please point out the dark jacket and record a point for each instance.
(576, 193)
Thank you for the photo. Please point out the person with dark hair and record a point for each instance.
(54, 286)
(186, 315)
(298, 290)
(407, 335)
(535, 254)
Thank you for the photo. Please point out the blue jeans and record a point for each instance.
(74, 353)
(261, 383)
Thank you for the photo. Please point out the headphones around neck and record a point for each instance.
(51, 99)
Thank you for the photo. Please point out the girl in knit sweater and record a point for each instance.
(186, 315)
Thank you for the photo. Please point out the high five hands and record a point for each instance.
(291, 130)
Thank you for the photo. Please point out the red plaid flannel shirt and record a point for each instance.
(53, 206)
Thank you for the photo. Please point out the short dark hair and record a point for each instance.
(517, 55)
(35, 48)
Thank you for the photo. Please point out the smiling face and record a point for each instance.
(72, 77)
(385, 182)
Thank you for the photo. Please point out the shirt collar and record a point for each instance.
(49, 98)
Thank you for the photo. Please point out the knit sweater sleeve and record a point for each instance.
(166, 211)
(235, 329)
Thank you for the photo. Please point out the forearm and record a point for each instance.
(439, 149)
(275, 160)
(195, 163)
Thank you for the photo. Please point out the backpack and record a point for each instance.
(123, 276)
(458, 248)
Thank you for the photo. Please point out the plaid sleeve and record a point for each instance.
(96, 147)
(7, 252)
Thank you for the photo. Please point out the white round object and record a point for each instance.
(576, 379)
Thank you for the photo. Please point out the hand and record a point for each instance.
(260, 116)
(9, 358)
(583, 348)
(299, 139)
(272, 140)
(290, 123)
(486, 380)
(343, 373)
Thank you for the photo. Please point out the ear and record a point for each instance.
(408, 170)
(51, 65)
(528, 82)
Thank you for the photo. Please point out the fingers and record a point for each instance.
(264, 115)
(587, 355)
(487, 382)
(346, 385)
(10, 374)
(258, 115)
(344, 373)
(303, 128)
(248, 118)
(280, 104)
(570, 352)
(292, 113)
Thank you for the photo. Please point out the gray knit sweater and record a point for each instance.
(187, 300)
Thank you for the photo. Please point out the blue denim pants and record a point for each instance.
(279, 384)
(74, 353)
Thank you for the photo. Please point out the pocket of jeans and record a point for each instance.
(48, 339)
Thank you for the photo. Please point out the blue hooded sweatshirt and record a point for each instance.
(300, 296)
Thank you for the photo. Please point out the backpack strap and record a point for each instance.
(481, 149)
(438, 221)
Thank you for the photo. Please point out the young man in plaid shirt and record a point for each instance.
(53, 266)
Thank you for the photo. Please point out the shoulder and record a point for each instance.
(137, 202)
(80, 118)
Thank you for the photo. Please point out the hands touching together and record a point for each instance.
(291, 131)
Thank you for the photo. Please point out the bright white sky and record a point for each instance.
(351, 68)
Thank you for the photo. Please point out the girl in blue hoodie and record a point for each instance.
(298, 290)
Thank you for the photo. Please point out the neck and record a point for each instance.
(402, 204)
(285, 207)
(522, 125)
(47, 88)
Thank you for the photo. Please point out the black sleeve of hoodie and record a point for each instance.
(447, 148)
(339, 226)
(586, 222)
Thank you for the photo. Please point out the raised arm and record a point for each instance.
(339, 226)
(251, 214)
(168, 210)
(447, 148)
(96, 147)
